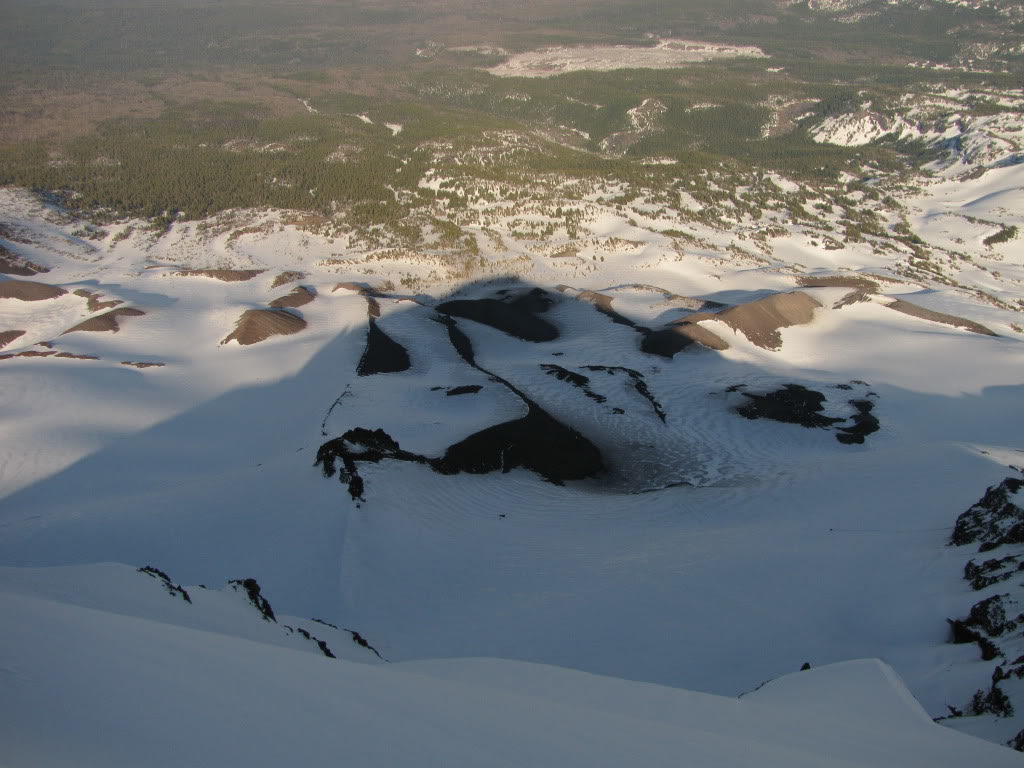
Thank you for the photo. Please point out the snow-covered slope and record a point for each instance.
(104, 686)
(700, 472)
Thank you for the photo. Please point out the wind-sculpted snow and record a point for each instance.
(210, 683)
(504, 506)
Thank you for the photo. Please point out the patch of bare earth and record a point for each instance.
(6, 337)
(256, 325)
(667, 342)
(837, 281)
(141, 364)
(286, 277)
(225, 275)
(93, 300)
(761, 320)
(861, 287)
(299, 296)
(684, 302)
(914, 310)
(107, 321)
(26, 290)
(13, 264)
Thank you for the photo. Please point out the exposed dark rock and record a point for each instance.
(793, 404)
(993, 521)
(578, 380)
(864, 423)
(796, 404)
(989, 616)
(536, 442)
(460, 341)
(994, 701)
(992, 571)
(322, 645)
(1017, 742)
(465, 389)
(163, 578)
(252, 590)
(359, 445)
(382, 354)
(639, 384)
(362, 642)
(516, 317)
(962, 634)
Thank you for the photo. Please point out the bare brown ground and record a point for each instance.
(13, 264)
(26, 290)
(299, 296)
(256, 325)
(838, 281)
(93, 300)
(286, 277)
(6, 337)
(701, 335)
(224, 275)
(761, 320)
(139, 364)
(938, 317)
(686, 302)
(29, 353)
(106, 322)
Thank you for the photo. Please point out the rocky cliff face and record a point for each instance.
(994, 623)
